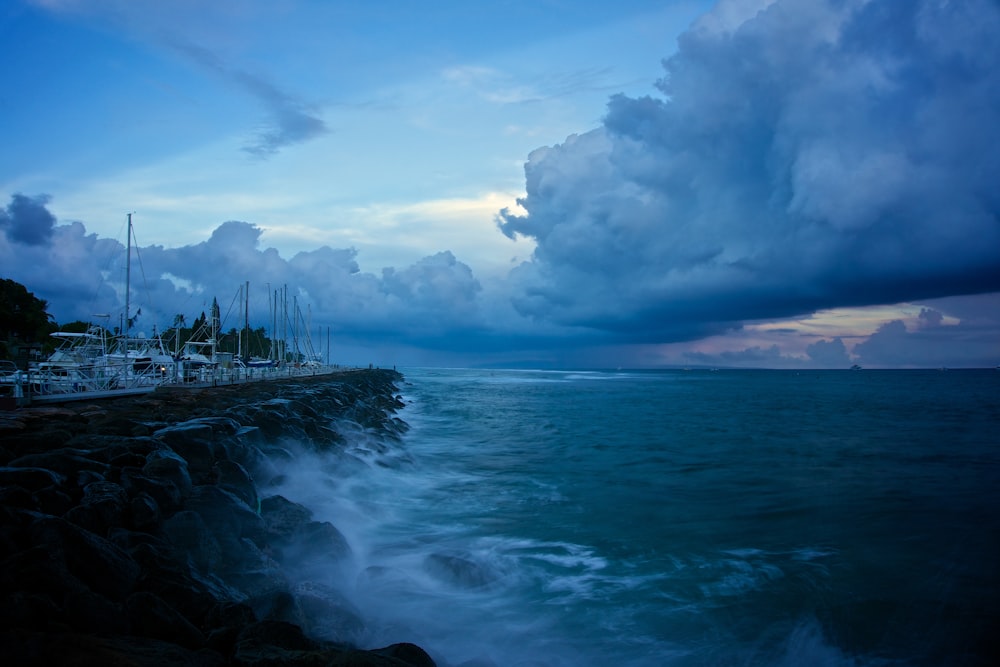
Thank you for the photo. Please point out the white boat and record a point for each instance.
(142, 361)
(78, 364)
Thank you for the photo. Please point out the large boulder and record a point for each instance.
(66, 461)
(234, 478)
(228, 517)
(192, 538)
(101, 565)
(151, 616)
(193, 442)
(166, 464)
(164, 491)
(104, 506)
(30, 477)
(282, 517)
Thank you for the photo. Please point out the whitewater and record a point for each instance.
(681, 518)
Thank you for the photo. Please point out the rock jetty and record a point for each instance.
(133, 531)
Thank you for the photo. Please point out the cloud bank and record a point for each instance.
(806, 155)
(81, 275)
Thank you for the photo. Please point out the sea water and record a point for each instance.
(676, 518)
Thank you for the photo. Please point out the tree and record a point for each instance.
(76, 326)
(199, 322)
(23, 316)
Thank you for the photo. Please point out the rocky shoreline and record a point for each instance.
(132, 531)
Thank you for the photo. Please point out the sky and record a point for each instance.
(544, 183)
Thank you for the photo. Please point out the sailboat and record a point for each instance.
(88, 365)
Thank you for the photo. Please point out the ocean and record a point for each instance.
(730, 517)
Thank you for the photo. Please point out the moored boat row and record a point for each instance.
(94, 364)
(115, 375)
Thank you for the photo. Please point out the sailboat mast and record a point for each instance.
(272, 351)
(246, 318)
(284, 323)
(295, 325)
(239, 334)
(128, 283)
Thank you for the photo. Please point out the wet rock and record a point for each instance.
(52, 500)
(28, 610)
(104, 567)
(86, 611)
(151, 616)
(283, 606)
(228, 518)
(192, 441)
(67, 462)
(43, 649)
(282, 517)
(328, 614)
(277, 643)
(28, 440)
(128, 460)
(144, 512)
(103, 506)
(30, 478)
(39, 570)
(165, 464)
(239, 447)
(166, 494)
(191, 537)
(273, 643)
(225, 622)
(459, 571)
(85, 477)
(387, 657)
(194, 596)
(16, 496)
(220, 426)
(409, 654)
(234, 478)
(259, 587)
(314, 544)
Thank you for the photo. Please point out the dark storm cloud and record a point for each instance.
(818, 154)
(27, 221)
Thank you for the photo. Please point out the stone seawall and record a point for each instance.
(132, 531)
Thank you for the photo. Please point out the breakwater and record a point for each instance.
(139, 531)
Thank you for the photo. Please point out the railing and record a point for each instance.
(58, 385)
(209, 376)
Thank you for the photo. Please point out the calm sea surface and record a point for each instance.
(679, 518)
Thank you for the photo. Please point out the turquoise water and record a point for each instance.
(679, 518)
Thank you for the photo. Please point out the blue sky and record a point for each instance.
(742, 183)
